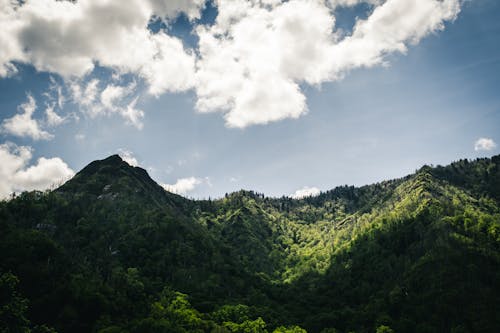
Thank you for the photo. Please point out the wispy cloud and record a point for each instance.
(128, 157)
(53, 119)
(96, 99)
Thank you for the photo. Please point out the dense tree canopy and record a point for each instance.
(111, 251)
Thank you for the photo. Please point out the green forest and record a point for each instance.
(111, 251)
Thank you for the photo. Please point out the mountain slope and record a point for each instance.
(108, 249)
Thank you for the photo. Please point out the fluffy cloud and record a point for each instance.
(254, 57)
(10, 48)
(17, 175)
(183, 185)
(390, 28)
(23, 124)
(484, 144)
(261, 52)
(249, 65)
(172, 8)
(306, 192)
(69, 38)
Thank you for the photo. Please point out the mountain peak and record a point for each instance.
(113, 159)
(110, 164)
(112, 175)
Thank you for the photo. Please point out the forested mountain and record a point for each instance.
(111, 251)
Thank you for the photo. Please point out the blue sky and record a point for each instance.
(360, 123)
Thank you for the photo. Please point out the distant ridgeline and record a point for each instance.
(112, 251)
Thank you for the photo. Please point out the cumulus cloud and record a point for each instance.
(306, 192)
(10, 48)
(249, 65)
(172, 8)
(390, 28)
(183, 185)
(128, 157)
(23, 124)
(264, 51)
(70, 38)
(17, 175)
(484, 144)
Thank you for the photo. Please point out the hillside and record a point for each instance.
(111, 251)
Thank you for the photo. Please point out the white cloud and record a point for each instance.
(54, 99)
(112, 99)
(23, 124)
(172, 8)
(249, 65)
(172, 69)
(17, 175)
(111, 94)
(306, 192)
(484, 144)
(53, 119)
(70, 38)
(54, 95)
(10, 48)
(96, 99)
(252, 47)
(128, 157)
(390, 28)
(84, 94)
(183, 185)
(132, 114)
(254, 57)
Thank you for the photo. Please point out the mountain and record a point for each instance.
(113, 179)
(112, 251)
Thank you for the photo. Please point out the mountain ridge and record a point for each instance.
(417, 254)
(115, 162)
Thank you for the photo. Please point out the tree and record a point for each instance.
(384, 329)
(13, 307)
(291, 329)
